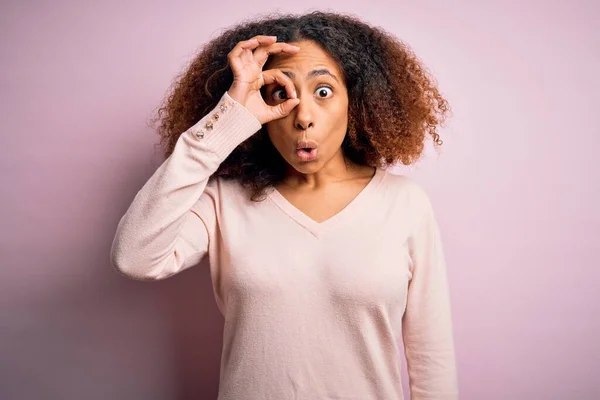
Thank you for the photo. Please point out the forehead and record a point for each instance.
(310, 57)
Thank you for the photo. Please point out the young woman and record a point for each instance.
(277, 139)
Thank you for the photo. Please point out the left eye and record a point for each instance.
(322, 91)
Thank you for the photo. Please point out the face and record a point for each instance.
(321, 117)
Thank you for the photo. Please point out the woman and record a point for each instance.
(321, 261)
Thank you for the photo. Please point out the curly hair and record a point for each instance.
(393, 106)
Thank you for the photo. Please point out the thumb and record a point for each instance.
(283, 109)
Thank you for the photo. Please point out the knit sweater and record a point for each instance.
(313, 310)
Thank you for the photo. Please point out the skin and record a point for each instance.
(322, 116)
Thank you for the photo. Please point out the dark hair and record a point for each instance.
(393, 102)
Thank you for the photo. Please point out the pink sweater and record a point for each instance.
(312, 310)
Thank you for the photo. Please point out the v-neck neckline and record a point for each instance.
(318, 229)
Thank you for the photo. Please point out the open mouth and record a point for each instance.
(307, 153)
(306, 150)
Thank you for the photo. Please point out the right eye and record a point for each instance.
(283, 93)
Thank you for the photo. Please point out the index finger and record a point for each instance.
(251, 44)
(263, 52)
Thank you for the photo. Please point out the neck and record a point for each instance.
(337, 169)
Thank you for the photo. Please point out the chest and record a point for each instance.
(321, 205)
(362, 267)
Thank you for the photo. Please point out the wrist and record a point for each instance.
(238, 95)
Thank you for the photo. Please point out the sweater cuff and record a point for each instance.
(224, 127)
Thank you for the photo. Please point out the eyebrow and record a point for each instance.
(313, 73)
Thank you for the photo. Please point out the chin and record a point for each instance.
(306, 167)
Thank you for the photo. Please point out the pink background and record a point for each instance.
(515, 188)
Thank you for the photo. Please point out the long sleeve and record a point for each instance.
(427, 323)
(160, 233)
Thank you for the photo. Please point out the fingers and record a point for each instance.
(286, 107)
(276, 76)
(262, 53)
(245, 48)
(264, 45)
(250, 44)
(247, 60)
(281, 110)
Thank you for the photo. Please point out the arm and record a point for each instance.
(427, 323)
(161, 234)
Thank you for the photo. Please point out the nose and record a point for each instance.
(304, 114)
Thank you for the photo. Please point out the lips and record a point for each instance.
(306, 150)
(306, 145)
(307, 154)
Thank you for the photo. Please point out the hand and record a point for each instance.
(246, 61)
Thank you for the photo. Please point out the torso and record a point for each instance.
(322, 204)
(288, 287)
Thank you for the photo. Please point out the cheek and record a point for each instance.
(341, 112)
(340, 122)
(276, 132)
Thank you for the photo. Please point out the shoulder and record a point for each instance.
(409, 197)
(414, 201)
(406, 190)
